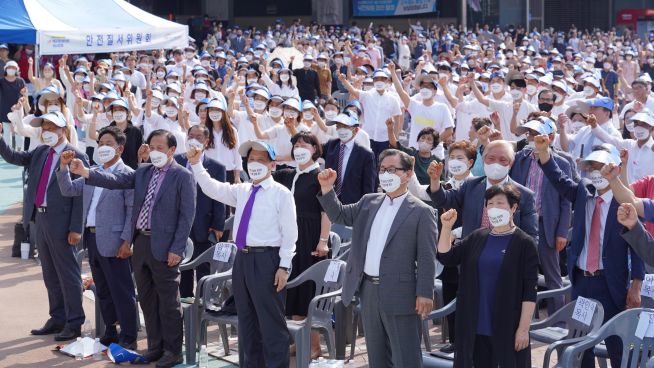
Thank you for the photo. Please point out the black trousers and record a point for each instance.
(115, 290)
(186, 286)
(263, 338)
(158, 288)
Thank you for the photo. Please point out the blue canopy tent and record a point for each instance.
(86, 26)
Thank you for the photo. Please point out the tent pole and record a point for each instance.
(37, 57)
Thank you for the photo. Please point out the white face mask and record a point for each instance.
(641, 133)
(87, 87)
(588, 91)
(48, 73)
(496, 171)
(259, 105)
(425, 146)
(425, 93)
(257, 171)
(53, 108)
(252, 80)
(105, 154)
(194, 143)
(120, 116)
(330, 114)
(215, 115)
(50, 138)
(516, 94)
(200, 95)
(275, 112)
(598, 180)
(344, 134)
(158, 159)
(457, 167)
(307, 116)
(498, 217)
(284, 77)
(577, 125)
(79, 78)
(302, 155)
(290, 114)
(321, 64)
(389, 182)
(338, 61)
(155, 103)
(306, 64)
(189, 55)
(380, 86)
(496, 87)
(249, 57)
(205, 63)
(171, 111)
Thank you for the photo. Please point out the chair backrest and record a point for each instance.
(576, 328)
(229, 223)
(345, 232)
(215, 290)
(80, 255)
(341, 97)
(318, 273)
(344, 251)
(188, 252)
(335, 242)
(228, 251)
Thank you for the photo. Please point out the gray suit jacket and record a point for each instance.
(173, 208)
(408, 261)
(65, 213)
(641, 241)
(113, 215)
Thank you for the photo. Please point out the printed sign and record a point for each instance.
(332, 272)
(222, 251)
(584, 310)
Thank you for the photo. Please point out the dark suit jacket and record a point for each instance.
(516, 283)
(615, 250)
(66, 211)
(173, 208)
(360, 172)
(556, 211)
(469, 201)
(407, 265)
(308, 83)
(208, 213)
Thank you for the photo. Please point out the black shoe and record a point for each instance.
(448, 349)
(47, 329)
(108, 340)
(153, 356)
(69, 333)
(128, 345)
(169, 360)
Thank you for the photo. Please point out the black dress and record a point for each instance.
(308, 226)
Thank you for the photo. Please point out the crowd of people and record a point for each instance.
(494, 151)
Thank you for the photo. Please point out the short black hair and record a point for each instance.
(434, 134)
(309, 138)
(479, 123)
(405, 159)
(520, 83)
(170, 137)
(119, 136)
(203, 129)
(509, 190)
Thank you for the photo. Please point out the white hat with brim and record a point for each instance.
(344, 119)
(601, 156)
(645, 117)
(577, 107)
(257, 146)
(56, 117)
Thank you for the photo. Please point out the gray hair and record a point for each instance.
(405, 160)
(508, 147)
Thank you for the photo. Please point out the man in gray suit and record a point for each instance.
(392, 262)
(58, 221)
(108, 237)
(162, 216)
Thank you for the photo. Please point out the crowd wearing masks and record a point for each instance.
(482, 157)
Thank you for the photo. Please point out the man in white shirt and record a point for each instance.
(640, 151)
(582, 143)
(378, 106)
(392, 261)
(258, 283)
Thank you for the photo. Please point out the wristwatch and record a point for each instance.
(287, 269)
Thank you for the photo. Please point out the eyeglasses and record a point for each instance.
(390, 170)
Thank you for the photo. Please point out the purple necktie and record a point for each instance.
(242, 234)
(43, 182)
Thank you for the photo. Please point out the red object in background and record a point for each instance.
(631, 17)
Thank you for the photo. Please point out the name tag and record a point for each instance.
(645, 326)
(222, 252)
(332, 272)
(647, 288)
(584, 310)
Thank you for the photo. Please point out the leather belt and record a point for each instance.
(589, 274)
(373, 279)
(145, 232)
(41, 209)
(91, 229)
(248, 249)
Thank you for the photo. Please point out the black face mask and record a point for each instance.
(544, 106)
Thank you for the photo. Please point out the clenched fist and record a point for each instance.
(449, 218)
(327, 178)
(435, 170)
(627, 215)
(144, 153)
(193, 155)
(66, 158)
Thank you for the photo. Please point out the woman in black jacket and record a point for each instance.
(497, 285)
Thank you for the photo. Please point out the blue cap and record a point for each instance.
(497, 75)
(50, 90)
(55, 117)
(356, 104)
(205, 54)
(604, 102)
(379, 73)
(119, 354)
(257, 145)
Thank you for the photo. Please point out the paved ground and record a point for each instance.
(24, 303)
